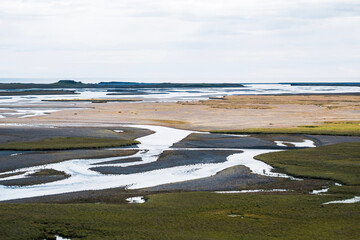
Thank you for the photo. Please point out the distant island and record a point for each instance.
(338, 84)
(76, 84)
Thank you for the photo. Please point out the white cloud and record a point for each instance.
(181, 40)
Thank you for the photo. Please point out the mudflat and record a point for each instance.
(232, 112)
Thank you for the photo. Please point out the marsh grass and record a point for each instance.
(66, 143)
(187, 216)
(48, 172)
(168, 121)
(343, 128)
(328, 102)
(338, 162)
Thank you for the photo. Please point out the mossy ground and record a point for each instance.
(187, 216)
(48, 172)
(338, 162)
(342, 128)
(65, 143)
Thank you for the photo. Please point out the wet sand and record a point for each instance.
(236, 177)
(235, 112)
(169, 159)
(37, 158)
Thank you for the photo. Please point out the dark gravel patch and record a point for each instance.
(24, 134)
(198, 140)
(125, 160)
(32, 180)
(170, 159)
(256, 141)
(322, 140)
(29, 159)
(233, 178)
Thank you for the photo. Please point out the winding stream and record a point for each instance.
(82, 178)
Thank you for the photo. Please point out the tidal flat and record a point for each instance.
(178, 172)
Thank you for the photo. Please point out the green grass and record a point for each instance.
(338, 162)
(187, 216)
(48, 172)
(65, 143)
(346, 128)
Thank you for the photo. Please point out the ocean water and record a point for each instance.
(182, 94)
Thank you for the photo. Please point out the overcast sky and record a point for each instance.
(179, 40)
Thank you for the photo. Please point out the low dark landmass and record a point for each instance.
(171, 159)
(168, 85)
(338, 84)
(37, 92)
(75, 84)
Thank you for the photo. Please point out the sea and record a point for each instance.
(173, 94)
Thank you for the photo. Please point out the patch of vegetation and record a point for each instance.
(342, 128)
(65, 143)
(329, 102)
(48, 172)
(187, 216)
(338, 162)
(169, 121)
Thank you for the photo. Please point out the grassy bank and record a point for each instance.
(338, 162)
(346, 128)
(186, 216)
(66, 143)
